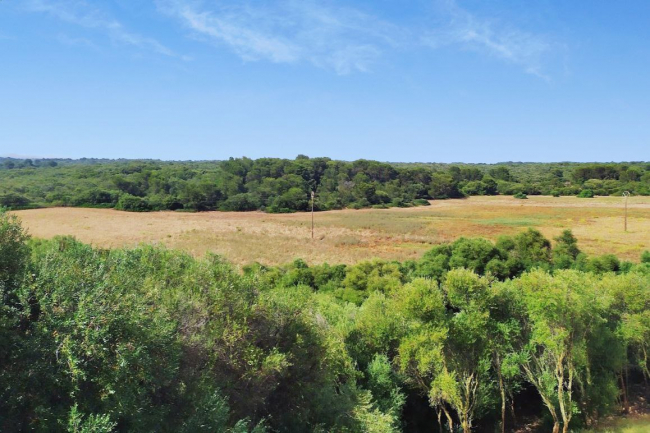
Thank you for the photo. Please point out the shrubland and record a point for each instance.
(283, 185)
(150, 339)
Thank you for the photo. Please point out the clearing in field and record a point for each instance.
(348, 236)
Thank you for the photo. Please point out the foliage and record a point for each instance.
(586, 193)
(77, 423)
(148, 339)
(645, 257)
(132, 203)
(282, 185)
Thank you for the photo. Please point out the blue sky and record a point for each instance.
(392, 80)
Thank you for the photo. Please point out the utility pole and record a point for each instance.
(312, 214)
(626, 194)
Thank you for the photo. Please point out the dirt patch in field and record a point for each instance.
(348, 236)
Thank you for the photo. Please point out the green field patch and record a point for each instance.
(414, 245)
(513, 222)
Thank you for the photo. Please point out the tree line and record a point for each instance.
(283, 185)
(468, 337)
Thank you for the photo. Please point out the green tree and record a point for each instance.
(131, 203)
(16, 368)
(14, 201)
(14, 254)
(448, 357)
(559, 310)
(443, 186)
(506, 340)
(566, 250)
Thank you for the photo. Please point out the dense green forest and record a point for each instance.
(283, 185)
(469, 337)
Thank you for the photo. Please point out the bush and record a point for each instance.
(293, 200)
(509, 188)
(521, 196)
(398, 202)
(13, 251)
(14, 201)
(603, 264)
(443, 186)
(95, 197)
(645, 257)
(555, 193)
(241, 203)
(586, 193)
(132, 203)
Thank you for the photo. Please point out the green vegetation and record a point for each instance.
(149, 339)
(633, 425)
(282, 185)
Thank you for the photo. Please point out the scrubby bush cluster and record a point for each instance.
(282, 185)
(148, 339)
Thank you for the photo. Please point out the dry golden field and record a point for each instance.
(348, 236)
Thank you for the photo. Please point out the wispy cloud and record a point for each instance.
(81, 13)
(489, 36)
(241, 36)
(341, 38)
(323, 33)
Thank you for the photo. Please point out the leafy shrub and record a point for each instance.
(521, 196)
(586, 193)
(95, 197)
(241, 202)
(399, 202)
(14, 201)
(645, 257)
(293, 200)
(13, 253)
(78, 423)
(131, 203)
(603, 264)
(509, 188)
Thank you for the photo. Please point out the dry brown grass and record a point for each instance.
(348, 236)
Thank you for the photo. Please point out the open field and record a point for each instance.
(348, 236)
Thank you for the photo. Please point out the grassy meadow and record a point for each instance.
(348, 236)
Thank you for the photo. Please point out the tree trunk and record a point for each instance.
(626, 405)
(503, 403)
(439, 413)
(545, 398)
(512, 410)
(449, 420)
(644, 370)
(559, 373)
